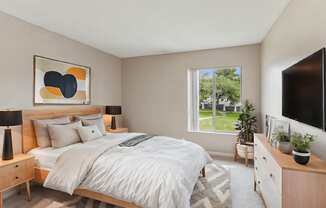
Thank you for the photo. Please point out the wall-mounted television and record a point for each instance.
(303, 90)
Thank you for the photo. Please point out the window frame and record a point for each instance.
(193, 98)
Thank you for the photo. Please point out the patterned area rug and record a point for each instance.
(213, 191)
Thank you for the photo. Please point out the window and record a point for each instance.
(214, 99)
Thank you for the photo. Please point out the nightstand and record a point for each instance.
(118, 130)
(16, 172)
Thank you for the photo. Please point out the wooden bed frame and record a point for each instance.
(29, 142)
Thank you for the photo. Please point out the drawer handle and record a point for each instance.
(17, 166)
(264, 158)
(256, 168)
(271, 175)
(17, 177)
(258, 182)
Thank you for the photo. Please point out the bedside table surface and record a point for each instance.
(17, 158)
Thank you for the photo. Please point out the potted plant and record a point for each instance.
(283, 141)
(301, 144)
(246, 125)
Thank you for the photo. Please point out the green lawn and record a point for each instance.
(224, 120)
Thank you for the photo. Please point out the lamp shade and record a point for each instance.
(113, 110)
(10, 118)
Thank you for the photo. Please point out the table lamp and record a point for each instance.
(9, 118)
(113, 110)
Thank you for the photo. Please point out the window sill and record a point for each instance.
(233, 133)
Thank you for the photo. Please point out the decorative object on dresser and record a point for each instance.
(246, 125)
(275, 126)
(113, 110)
(284, 183)
(9, 118)
(301, 144)
(15, 172)
(118, 130)
(58, 82)
(283, 141)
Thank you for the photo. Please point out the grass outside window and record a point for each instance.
(225, 121)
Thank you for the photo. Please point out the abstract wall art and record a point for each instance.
(58, 82)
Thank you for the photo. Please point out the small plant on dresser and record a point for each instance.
(301, 144)
(283, 141)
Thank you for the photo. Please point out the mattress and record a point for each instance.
(46, 157)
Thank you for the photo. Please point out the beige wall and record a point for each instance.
(19, 41)
(299, 32)
(155, 91)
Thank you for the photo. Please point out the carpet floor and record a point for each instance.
(242, 194)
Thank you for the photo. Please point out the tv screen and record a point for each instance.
(303, 90)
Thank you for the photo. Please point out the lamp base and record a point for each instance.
(7, 151)
(113, 125)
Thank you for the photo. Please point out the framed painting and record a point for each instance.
(59, 82)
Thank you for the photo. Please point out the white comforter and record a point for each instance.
(158, 173)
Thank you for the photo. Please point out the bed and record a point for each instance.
(47, 160)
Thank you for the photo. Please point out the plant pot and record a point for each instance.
(243, 149)
(285, 147)
(301, 157)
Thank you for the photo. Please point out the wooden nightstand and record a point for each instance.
(15, 172)
(118, 130)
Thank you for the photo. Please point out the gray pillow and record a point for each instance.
(64, 135)
(41, 129)
(87, 117)
(88, 133)
(99, 122)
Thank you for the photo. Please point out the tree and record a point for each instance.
(227, 85)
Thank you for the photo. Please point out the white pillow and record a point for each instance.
(99, 122)
(64, 135)
(88, 133)
(41, 129)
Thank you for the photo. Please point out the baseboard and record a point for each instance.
(220, 154)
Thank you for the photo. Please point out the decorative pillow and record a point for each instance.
(87, 117)
(64, 135)
(88, 133)
(99, 122)
(41, 129)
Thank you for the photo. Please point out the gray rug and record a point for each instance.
(213, 191)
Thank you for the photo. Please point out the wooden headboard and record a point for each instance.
(28, 134)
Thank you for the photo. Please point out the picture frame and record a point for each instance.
(60, 83)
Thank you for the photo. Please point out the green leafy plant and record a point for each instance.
(281, 136)
(301, 143)
(246, 123)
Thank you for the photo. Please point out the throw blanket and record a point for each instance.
(136, 140)
(158, 173)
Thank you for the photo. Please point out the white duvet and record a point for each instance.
(158, 173)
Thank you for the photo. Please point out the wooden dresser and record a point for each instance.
(284, 183)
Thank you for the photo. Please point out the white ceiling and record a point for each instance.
(128, 28)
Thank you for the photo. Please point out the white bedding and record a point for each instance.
(46, 157)
(158, 173)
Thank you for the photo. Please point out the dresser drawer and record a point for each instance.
(272, 198)
(269, 167)
(16, 173)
